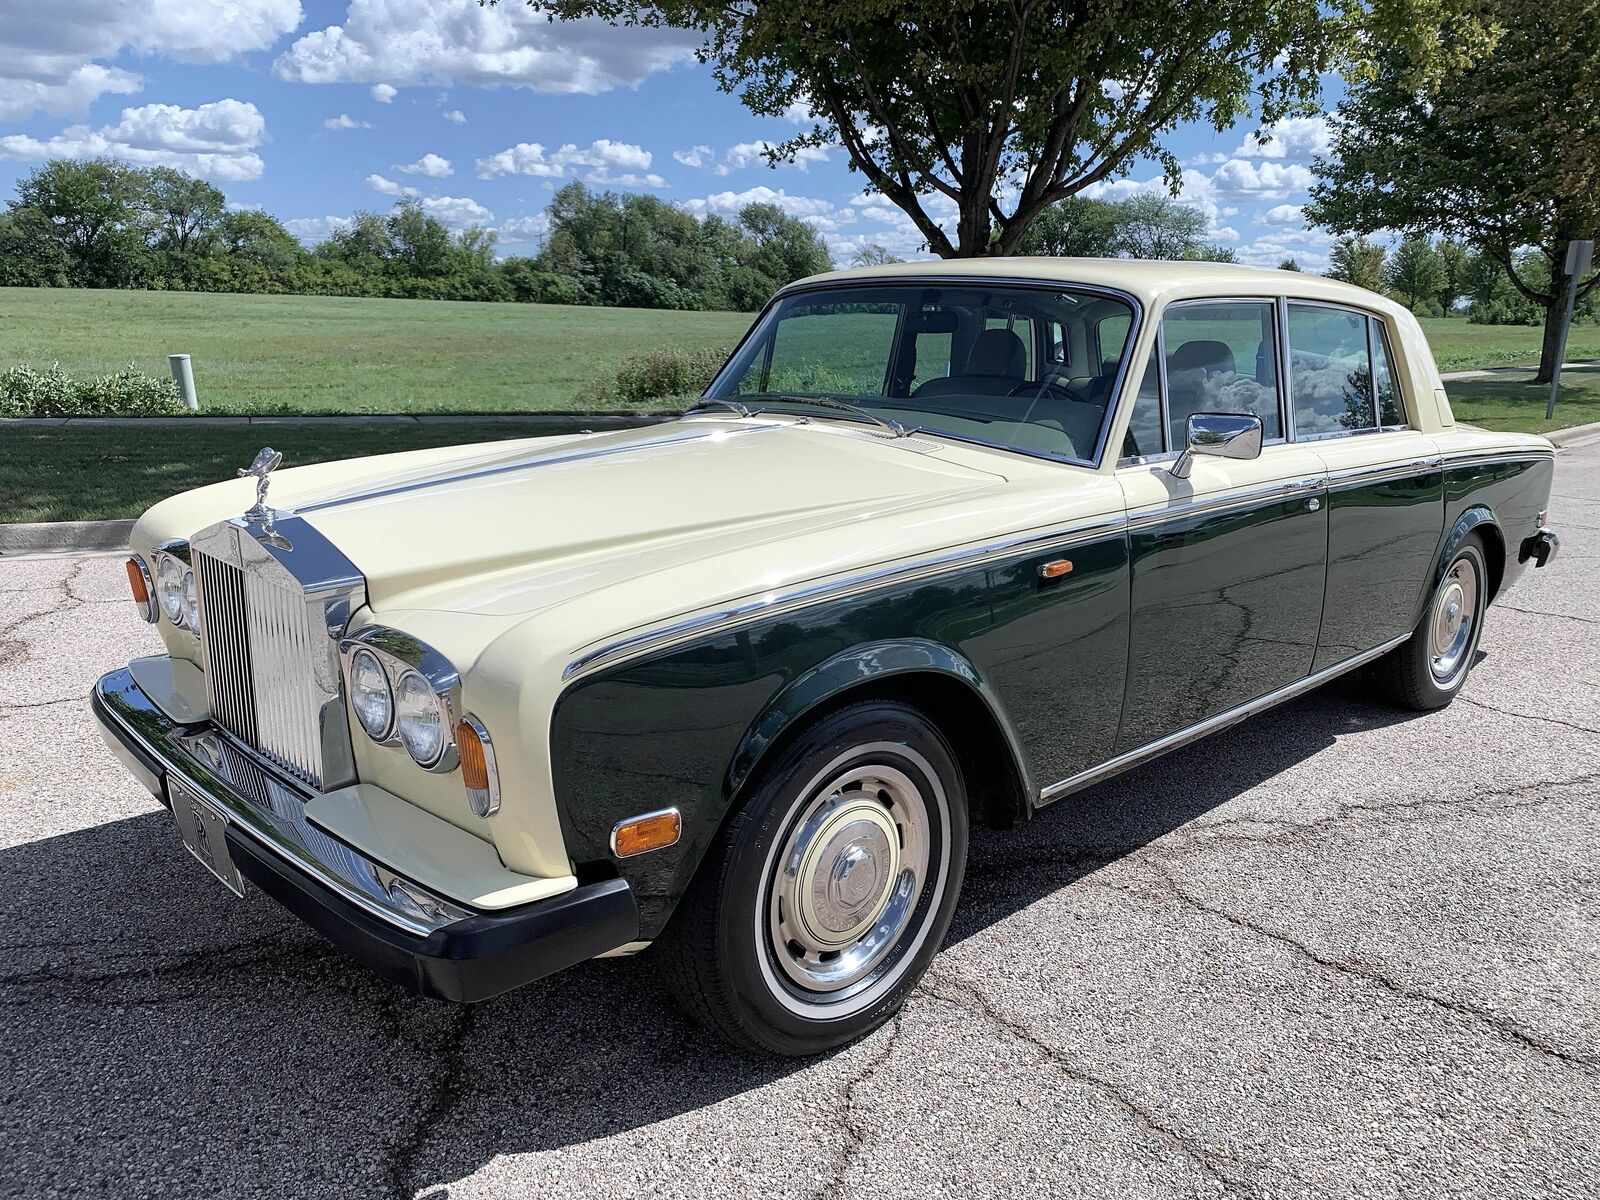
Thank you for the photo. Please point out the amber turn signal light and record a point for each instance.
(1055, 569)
(650, 831)
(139, 585)
(476, 753)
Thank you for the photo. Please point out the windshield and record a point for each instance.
(1027, 368)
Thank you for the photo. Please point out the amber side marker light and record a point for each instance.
(476, 753)
(648, 831)
(139, 585)
(1055, 569)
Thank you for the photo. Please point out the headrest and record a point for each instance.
(1211, 357)
(998, 352)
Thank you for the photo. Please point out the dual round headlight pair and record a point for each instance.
(406, 707)
(175, 590)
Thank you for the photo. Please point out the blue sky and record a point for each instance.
(312, 109)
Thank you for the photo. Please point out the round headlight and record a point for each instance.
(419, 718)
(169, 587)
(191, 602)
(369, 694)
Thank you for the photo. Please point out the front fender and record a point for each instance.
(853, 669)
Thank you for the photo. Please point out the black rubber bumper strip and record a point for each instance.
(469, 960)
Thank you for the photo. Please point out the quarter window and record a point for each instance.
(1222, 357)
(1330, 380)
(1390, 411)
(1143, 438)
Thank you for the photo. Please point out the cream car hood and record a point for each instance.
(513, 527)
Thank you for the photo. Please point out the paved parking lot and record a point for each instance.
(1337, 951)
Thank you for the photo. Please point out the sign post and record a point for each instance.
(1580, 256)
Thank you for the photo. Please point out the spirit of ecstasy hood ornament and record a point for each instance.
(265, 463)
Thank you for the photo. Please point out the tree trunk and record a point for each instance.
(1552, 337)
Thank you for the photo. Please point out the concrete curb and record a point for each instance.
(49, 537)
(1577, 435)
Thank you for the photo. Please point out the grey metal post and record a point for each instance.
(1579, 257)
(183, 376)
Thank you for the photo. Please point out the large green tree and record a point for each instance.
(1502, 153)
(1358, 261)
(987, 113)
(1416, 276)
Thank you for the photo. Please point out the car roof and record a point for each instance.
(1149, 280)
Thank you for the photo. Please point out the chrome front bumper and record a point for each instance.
(399, 928)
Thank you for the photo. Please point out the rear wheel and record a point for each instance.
(829, 891)
(1427, 671)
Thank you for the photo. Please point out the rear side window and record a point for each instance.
(1222, 357)
(1390, 411)
(1330, 371)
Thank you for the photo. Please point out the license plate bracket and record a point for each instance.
(204, 830)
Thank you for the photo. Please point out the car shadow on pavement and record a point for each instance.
(163, 1036)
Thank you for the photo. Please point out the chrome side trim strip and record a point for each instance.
(781, 601)
(1362, 476)
(1146, 518)
(1134, 758)
(551, 460)
(1483, 458)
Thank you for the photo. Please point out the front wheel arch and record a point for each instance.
(926, 675)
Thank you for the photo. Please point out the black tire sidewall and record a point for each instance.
(1421, 664)
(776, 799)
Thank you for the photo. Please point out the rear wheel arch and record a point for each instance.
(1481, 522)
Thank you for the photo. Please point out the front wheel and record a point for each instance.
(1427, 671)
(827, 894)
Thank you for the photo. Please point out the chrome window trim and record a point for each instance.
(1172, 741)
(787, 599)
(1113, 394)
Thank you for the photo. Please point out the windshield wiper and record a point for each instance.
(711, 401)
(889, 423)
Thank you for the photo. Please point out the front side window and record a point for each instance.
(1330, 379)
(1222, 357)
(977, 362)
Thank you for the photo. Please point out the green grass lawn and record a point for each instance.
(322, 354)
(1516, 404)
(1459, 345)
(101, 472)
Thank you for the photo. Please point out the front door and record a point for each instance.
(1228, 565)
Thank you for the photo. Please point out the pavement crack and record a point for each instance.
(445, 1088)
(1492, 1022)
(1539, 612)
(1221, 1168)
(855, 1137)
(202, 962)
(1511, 712)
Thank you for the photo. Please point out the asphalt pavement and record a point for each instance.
(1336, 951)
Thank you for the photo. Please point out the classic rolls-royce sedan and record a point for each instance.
(941, 544)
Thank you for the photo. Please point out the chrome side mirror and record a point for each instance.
(1219, 435)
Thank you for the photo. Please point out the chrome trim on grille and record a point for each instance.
(273, 599)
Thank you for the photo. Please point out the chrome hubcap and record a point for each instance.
(1453, 622)
(848, 879)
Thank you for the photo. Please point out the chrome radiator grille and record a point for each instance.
(263, 663)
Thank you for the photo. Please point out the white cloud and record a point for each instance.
(425, 42)
(1268, 181)
(746, 154)
(1284, 214)
(316, 229)
(728, 204)
(520, 231)
(456, 117)
(383, 93)
(1292, 138)
(603, 162)
(799, 111)
(456, 211)
(430, 165)
(344, 121)
(55, 61)
(1309, 250)
(695, 156)
(389, 187)
(216, 140)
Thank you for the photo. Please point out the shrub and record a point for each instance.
(25, 392)
(660, 375)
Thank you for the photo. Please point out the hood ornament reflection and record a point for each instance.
(261, 468)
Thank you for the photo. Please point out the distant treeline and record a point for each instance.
(102, 224)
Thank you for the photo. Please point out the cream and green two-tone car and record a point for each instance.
(941, 544)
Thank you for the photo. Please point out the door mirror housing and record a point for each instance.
(1219, 435)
